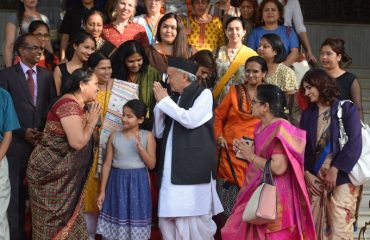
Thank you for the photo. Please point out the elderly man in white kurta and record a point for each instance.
(187, 163)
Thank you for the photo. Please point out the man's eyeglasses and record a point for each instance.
(40, 35)
(34, 48)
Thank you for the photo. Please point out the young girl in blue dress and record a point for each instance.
(124, 197)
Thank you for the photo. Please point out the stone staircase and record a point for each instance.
(363, 76)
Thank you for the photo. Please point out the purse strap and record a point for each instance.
(343, 138)
(267, 174)
(228, 158)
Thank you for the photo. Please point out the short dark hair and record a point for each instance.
(260, 60)
(277, 45)
(72, 84)
(325, 84)
(275, 97)
(21, 40)
(124, 51)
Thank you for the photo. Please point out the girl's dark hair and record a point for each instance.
(277, 45)
(49, 57)
(94, 59)
(139, 108)
(275, 97)
(325, 84)
(253, 19)
(72, 84)
(94, 12)
(232, 19)
(180, 44)
(124, 51)
(260, 60)
(204, 58)
(20, 13)
(279, 6)
(337, 45)
(77, 39)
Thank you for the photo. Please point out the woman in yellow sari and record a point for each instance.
(230, 59)
(101, 66)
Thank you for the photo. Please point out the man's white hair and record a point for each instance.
(191, 77)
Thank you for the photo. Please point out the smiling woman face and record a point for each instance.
(85, 49)
(125, 9)
(253, 73)
(134, 62)
(168, 30)
(235, 32)
(311, 92)
(94, 25)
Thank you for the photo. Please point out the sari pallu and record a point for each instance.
(56, 175)
(230, 72)
(294, 218)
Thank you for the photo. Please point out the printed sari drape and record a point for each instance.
(56, 175)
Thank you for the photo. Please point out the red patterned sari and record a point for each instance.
(56, 175)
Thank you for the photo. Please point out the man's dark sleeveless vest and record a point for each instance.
(193, 150)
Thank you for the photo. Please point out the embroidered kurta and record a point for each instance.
(208, 36)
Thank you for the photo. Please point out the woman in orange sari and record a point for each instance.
(233, 118)
(59, 164)
(278, 140)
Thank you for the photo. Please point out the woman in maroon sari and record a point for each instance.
(278, 140)
(59, 164)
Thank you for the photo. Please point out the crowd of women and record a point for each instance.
(244, 53)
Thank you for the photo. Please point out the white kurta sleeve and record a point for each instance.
(297, 16)
(198, 114)
(158, 126)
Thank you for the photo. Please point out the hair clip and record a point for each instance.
(286, 110)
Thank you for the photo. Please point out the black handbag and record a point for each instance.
(226, 190)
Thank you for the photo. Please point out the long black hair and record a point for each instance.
(124, 51)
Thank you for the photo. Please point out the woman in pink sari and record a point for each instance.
(284, 144)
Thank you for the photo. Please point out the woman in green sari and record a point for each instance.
(131, 64)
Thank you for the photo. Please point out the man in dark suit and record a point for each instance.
(32, 89)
